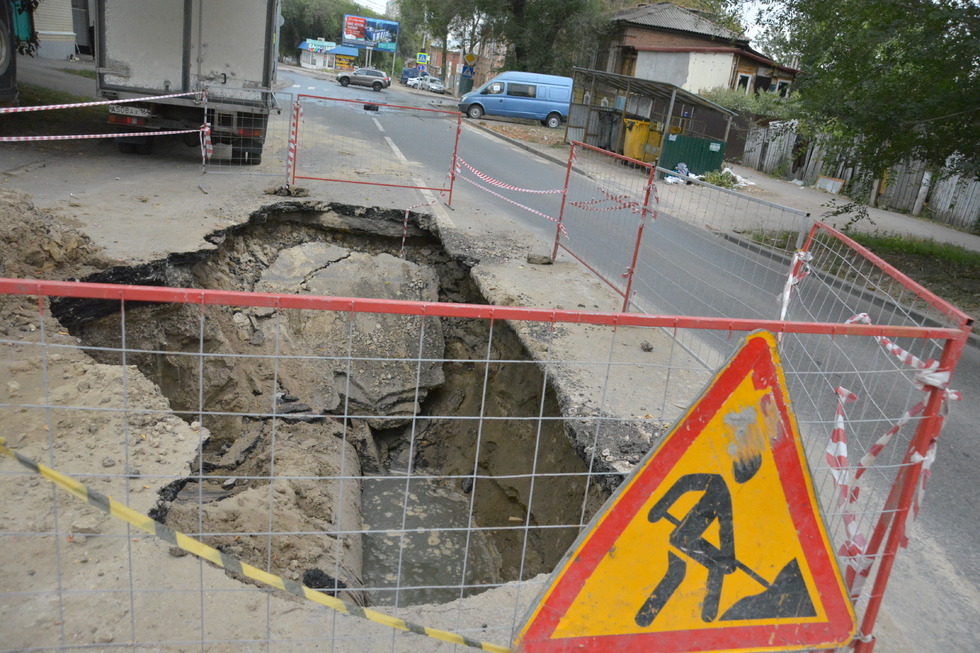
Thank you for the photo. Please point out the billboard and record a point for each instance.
(377, 33)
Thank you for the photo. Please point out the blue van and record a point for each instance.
(521, 95)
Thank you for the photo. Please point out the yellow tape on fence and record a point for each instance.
(225, 561)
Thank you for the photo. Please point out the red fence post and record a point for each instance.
(452, 166)
(639, 235)
(564, 197)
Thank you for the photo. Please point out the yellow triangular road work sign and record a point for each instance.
(714, 544)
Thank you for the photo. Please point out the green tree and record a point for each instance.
(303, 19)
(891, 79)
(546, 36)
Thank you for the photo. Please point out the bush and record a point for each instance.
(718, 178)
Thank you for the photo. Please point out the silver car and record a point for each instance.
(433, 84)
(375, 79)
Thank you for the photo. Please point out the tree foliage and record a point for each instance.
(306, 19)
(894, 79)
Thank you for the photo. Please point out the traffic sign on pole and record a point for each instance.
(715, 543)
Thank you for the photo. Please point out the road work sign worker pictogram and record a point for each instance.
(714, 544)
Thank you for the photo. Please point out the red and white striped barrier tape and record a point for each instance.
(73, 137)
(207, 148)
(928, 376)
(619, 202)
(854, 548)
(798, 272)
(894, 349)
(293, 140)
(499, 184)
(78, 105)
(526, 208)
(920, 490)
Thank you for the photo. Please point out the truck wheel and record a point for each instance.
(475, 111)
(344, 81)
(553, 121)
(377, 86)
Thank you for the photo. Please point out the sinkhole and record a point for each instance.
(384, 475)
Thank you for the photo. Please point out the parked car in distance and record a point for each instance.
(370, 77)
(433, 84)
(409, 73)
(416, 82)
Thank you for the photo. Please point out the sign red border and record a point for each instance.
(758, 358)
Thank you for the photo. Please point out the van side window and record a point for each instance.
(495, 89)
(523, 90)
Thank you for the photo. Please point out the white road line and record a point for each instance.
(378, 124)
(311, 88)
(426, 194)
(394, 148)
(296, 86)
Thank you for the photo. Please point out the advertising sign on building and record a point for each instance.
(376, 33)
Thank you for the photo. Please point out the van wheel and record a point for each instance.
(475, 111)
(553, 121)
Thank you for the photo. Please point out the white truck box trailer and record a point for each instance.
(162, 47)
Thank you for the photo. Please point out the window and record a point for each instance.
(495, 89)
(743, 82)
(783, 89)
(523, 90)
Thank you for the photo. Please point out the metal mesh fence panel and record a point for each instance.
(607, 204)
(395, 453)
(345, 141)
(247, 145)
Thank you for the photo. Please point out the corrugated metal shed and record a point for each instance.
(665, 15)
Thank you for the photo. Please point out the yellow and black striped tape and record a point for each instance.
(225, 561)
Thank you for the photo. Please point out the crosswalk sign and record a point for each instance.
(715, 543)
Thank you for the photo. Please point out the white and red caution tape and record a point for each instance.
(894, 349)
(928, 376)
(499, 184)
(855, 543)
(207, 149)
(73, 137)
(798, 272)
(561, 227)
(920, 490)
(78, 105)
(293, 140)
(611, 201)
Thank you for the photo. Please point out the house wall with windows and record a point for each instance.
(666, 43)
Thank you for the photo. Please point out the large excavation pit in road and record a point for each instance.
(387, 458)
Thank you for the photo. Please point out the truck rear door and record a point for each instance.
(141, 46)
(172, 46)
(233, 48)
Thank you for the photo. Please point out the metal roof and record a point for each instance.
(650, 88)
(669, 16)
